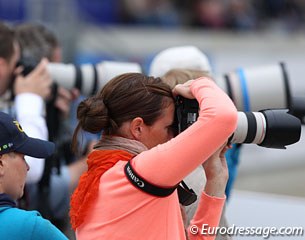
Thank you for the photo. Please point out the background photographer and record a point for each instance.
(25, 98)
(63, 170)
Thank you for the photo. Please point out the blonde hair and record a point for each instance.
(180, 75)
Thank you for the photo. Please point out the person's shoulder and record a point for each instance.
(44, 229)
(23, 221)
(26, 218)
(20, 212)
(30, 223)
(30, 214)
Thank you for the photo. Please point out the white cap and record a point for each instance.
(179, 57)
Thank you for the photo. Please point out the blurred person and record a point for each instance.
(241, 15)
(221, 14)
(16, 223)
(209, 13)
(17, 93)
(162, 13)
(99, 12)
(137, 149)
(62, 173)
(287, 15)
(37, 42)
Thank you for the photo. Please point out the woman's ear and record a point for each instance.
(137, 127)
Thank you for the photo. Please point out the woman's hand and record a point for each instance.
(216, 171)
(184, 90)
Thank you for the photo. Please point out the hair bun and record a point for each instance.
(92, 114)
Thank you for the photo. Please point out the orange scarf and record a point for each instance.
(99, 161)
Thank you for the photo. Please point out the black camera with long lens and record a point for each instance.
(28, 64)
(270, 128)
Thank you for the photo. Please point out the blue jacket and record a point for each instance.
(18, 224)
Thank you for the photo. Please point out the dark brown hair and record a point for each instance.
(123, 98)
(7, 39)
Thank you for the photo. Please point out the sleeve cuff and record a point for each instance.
(209, 210)
(207, 196)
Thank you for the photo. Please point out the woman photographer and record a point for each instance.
(196, 180)
(136, 114)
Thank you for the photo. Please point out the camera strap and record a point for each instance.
(186, 196)
(145, 186)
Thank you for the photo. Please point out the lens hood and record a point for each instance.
(282, 128)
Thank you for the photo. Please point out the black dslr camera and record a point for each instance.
(28, 64)
(186, 113)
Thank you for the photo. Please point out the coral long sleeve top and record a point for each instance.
(123, 212)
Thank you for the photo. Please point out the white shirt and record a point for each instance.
(30, 112)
